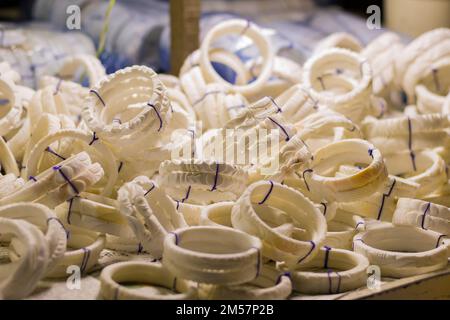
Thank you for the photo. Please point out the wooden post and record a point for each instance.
(184, 31)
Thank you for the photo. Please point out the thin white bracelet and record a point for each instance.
(200, 254)
(244, 28)
(345, 271)
(276, 245)
(144, 273)
(402, 251)
(422, 214)
(91, 65)
(339, 40)
(331, 65)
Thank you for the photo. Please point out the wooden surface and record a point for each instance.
(184, 31)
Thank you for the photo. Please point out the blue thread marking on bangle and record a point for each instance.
(281, 127)
(313, 246)
(187, 195)
(176, 237)
(120, 167)
(58, 168)
(94, 138)
(49, 150)
(247, 26)
(303, 175)
(384, 197)
(178, 203)
(216, 177)
(411, 152)
(371, 152)
(32, 178)
(276, 105)
(205, 95)
(58, 85)
(151, 105)
(268, 193)
(327, 255)
(284, 274)
(62, 225)
(149, 190)
(427, 209)
(436, 79)
(4, 102)
(98, 96)
(324, 208)
(70, 211)
(321, 82)
(361, 222)
(439, 239)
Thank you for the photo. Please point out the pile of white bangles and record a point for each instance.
(292, 180)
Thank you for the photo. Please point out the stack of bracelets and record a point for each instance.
(292, 180)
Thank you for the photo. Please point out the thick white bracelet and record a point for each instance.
(345, 271)
(427, 169)
(271, 284)
(44, 218)
(362, 184)
(342, 229)
(402, 251)
(93, 212)
(381, 205)
(279, 246)
(200, 254)
(244, 28)
(83, 250)
(141, 100)
(201, 182)
(150, 213)
(422, 214)
(29, 253)
(146, 274)
(50, 179)
(107, 159)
